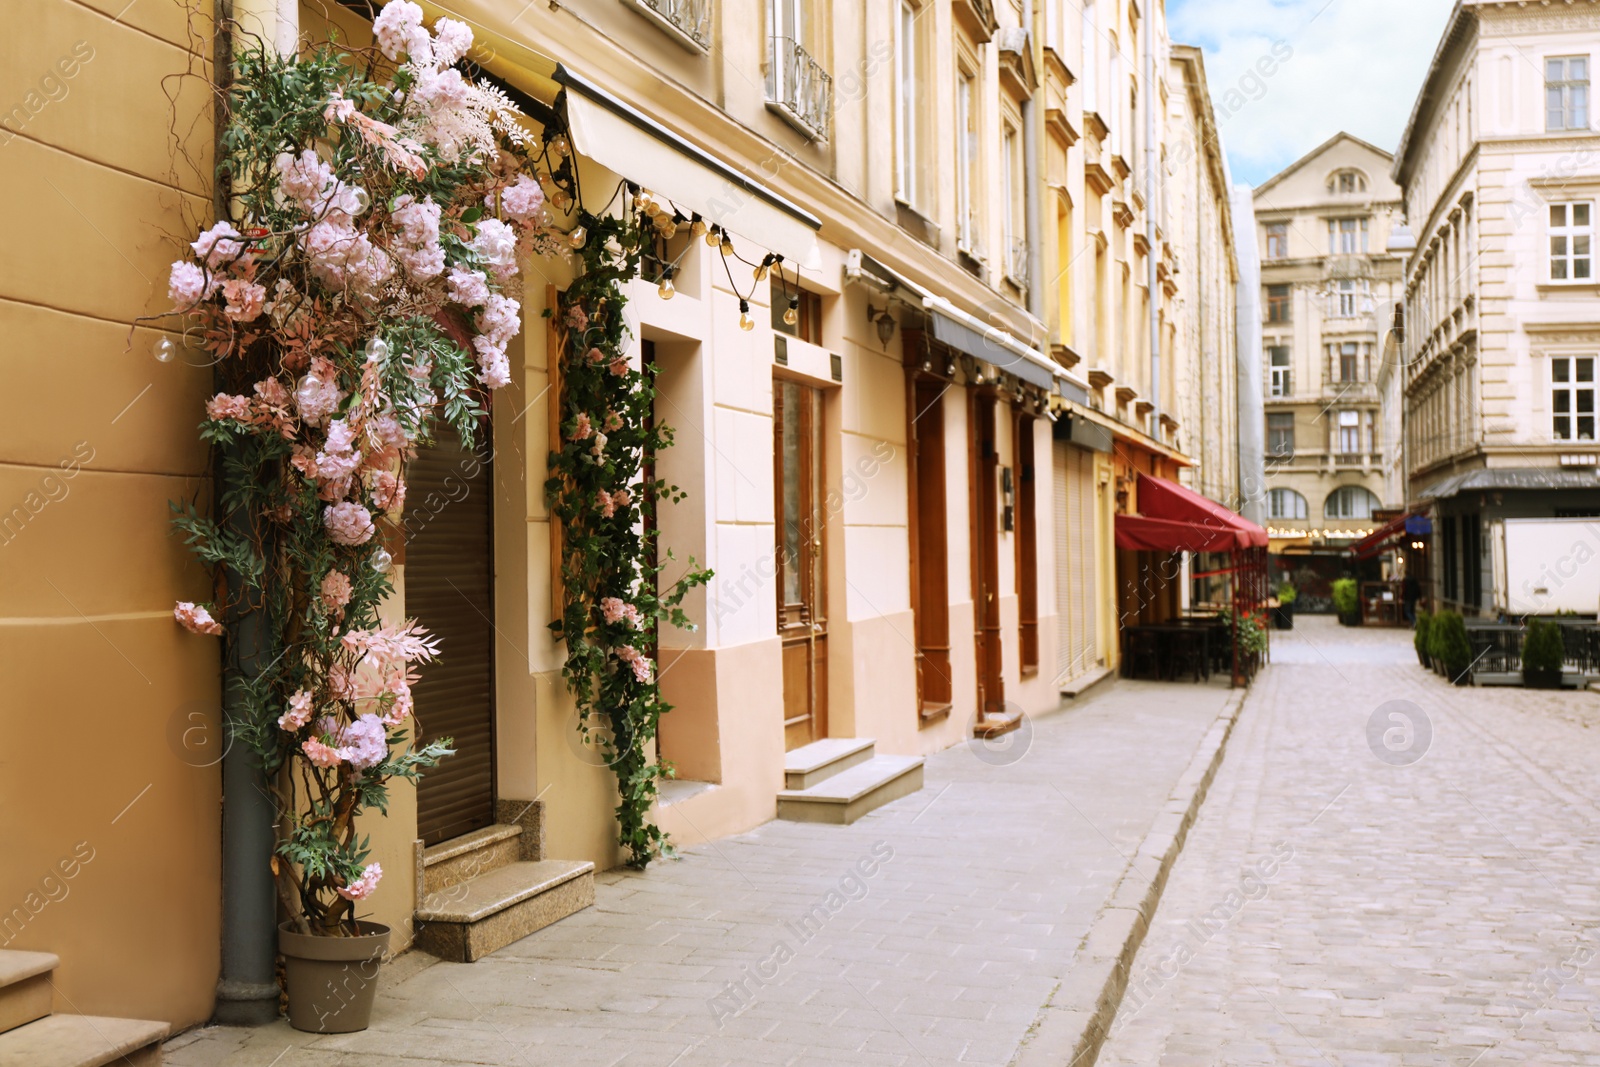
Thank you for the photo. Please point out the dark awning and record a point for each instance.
(1379, 539)
(1175, 519)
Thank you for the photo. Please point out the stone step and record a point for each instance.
(84, 1041)
(468, 921)
(850, 794)
(463, 858)
(24, 987)
(820, 760)
(994, 725)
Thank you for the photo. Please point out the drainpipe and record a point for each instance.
(247, 987)
(1151, 157)
(1032, 176)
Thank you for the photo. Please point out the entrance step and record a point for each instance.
(469, 920)
(24, 987)
(820, 760)
(845, 797)
(996, 725)
(461, 859)
(84, 1041)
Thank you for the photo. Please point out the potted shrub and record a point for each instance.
(1543, 651)
(1283, 614)
(1451, 648)
(1419, 636)
(1346, 601)
(366, 291)
(1250, 638)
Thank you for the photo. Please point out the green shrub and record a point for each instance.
(1447, 634)
(1542, 646)
(1344, 596)
(1419, 638)
(1287, 593)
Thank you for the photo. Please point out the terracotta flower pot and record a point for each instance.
(332, 980)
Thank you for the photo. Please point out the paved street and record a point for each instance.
(1332, 908)
(930, 932)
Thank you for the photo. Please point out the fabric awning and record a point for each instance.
(1379, 539)
(1175, 519)
(631, 145)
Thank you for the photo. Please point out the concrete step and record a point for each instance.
(24, 987)
(995, 725)
(850, 794)
(468, 921)
(820, 760)
(463, 858)
(83, 1041)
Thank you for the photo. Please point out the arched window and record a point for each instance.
(1286, 504)
(1342, 182)
(1350, 502)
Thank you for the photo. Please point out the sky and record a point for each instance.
(1351, 65)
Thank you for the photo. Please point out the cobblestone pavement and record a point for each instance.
(946, 921)
(1381, 883)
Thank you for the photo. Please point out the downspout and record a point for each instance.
(1151, 95)
(1030, 183)
(247, 987)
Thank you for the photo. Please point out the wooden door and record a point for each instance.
(802, 606)
(449, 588)
(930, 566)
(985, 511)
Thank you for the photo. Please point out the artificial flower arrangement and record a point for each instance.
(366, 287)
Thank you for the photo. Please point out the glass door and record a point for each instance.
(802, 610)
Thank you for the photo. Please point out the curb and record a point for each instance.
(1072, 1026)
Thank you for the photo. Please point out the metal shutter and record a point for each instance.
(449, 588)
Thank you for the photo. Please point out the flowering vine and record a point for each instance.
(365, 288)
(606, 505)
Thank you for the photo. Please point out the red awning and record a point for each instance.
(1378, 539)
(1174, 519)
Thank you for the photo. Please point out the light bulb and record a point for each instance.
(713, 239)
(644, 200)
(727, 247)
(377, 349)
(362, 201)
(560, 146)
(164, 350)
(697, 228)
(577, 237)
(669, 230)
(791, 316)
(666, 291)
(382, 561)
(745, 321)
(759, 273)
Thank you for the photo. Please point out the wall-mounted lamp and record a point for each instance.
(883, 321)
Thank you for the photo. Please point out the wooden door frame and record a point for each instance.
(932, 708)
(813, 569)
(983, 511)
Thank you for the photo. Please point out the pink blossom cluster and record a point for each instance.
(362, 744)
(418, 237)
(348, 523)
(615, 610)
(609, 502)
(362, 887)
(636, 660)
(196, 618)
(299, 712)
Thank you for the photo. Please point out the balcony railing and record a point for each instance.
(687, 20)
(799, 89)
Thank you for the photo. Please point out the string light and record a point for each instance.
(727, 246)
(377, 350)
(697, 227)
(713, 238)
(792, 315)
(382, 561)
(746, 323)
(164, 350)
(666, 291)
(578, 237)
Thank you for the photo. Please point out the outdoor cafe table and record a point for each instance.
(1166, 645)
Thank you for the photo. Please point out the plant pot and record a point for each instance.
(332, 980)
(1463, 678)
(1422, 658)
(1541, 678)
(1283, 616)
(1350, 619)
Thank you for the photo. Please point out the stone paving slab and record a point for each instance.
(1389, 870)
(933, 931)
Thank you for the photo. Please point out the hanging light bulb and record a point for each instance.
(666, 291)
(713, 238)
(746, 323)
(577, 237)
(727, 246)
(360, 198)
(792, 315)
(163, 349)
(382, 561)
(377, 349)
(560, 146)
(697, 228)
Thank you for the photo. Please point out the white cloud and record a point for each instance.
(1357, 66)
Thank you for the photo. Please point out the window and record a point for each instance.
(1091, 57)
(1278, 303)
(1349, 433)
(1349, 354)
(1278, 364)
(1277, 240)
(1286, 504)
(966, 162)
(1346, 237)
(1346, 182)
(1016, 249)
(1350, 502)
(1572, 398)
(1566, 93)
(908, 78)
(1344, 306)
(1280, 433)
(1372, 431)
(1571, 234)
(808, 311)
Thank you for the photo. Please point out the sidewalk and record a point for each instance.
(933, 931)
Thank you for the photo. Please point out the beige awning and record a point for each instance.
(606, 131)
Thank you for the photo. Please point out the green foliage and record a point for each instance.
(607, 557)
(1542, 646)
(1419, 635)
(1287, 594)
(1447, 634)
(1345, 598)
(1250, 634)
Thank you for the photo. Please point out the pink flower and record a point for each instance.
(270, 391)
(388, 432)
(596, 356)
(451, 41)
(583, 429)
(339, 110)
(619, 366)
(606, 503)
(468, 287)
(245, 299)
(303, 179)
(223, 406)
(299, 712)
(497, 244)
(494, 368)
(399, 31)
(613, 422)
(616, 610)
(348, 523)
(218, 245)
(577, 318)
(500, 319)
(388, 491)
(364, 743)
(522, 199)
(187, 285)
(196, 619)
(636, 660)
(622, 498)
(318, 394)
(320, 755)
(442, 91)
(335, 590)
(362, 887)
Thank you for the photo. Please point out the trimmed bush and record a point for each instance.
(1345, 597)
(1419, 636)
(1447, 634)
(1543, 648)
(1287, 593)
